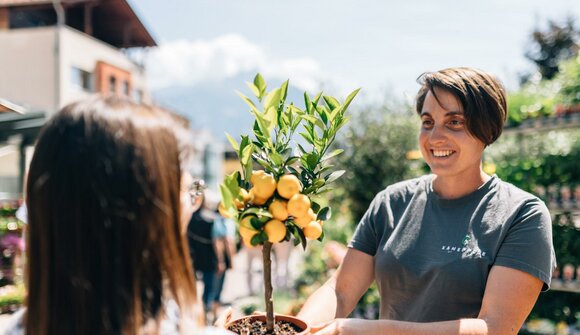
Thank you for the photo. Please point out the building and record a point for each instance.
(58, 51)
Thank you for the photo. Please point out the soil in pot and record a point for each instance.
(256, 325)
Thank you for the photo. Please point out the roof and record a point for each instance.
(114, 21)
(7, 106)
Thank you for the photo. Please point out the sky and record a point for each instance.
(339, 45)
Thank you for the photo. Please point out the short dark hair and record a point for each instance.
(481, 94)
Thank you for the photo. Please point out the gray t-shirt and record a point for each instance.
(433, 255)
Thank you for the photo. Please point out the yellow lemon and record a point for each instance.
(264, 186)
(255, 175)
(245, 197)
(247, 234)
(278, 210)
(298, 205)
(244, 194)
(255, 200)
(313, 230)
(288, 185)
(247, 231)
(276, 230)
(303, 221)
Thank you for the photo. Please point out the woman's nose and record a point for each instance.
(437, 135)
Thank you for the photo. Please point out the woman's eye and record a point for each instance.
(426, 123)
(456, 122)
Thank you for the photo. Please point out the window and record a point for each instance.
(32, 17)
(126, 88)
(82, 79)
(112, 85)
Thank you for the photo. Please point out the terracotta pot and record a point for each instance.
(287, 318)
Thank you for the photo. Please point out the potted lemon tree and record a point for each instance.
(278, 201)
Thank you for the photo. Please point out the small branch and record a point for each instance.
(266, 251)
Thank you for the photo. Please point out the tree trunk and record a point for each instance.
(266, 251)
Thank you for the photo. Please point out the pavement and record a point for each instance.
(247, 270)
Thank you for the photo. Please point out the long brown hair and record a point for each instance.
(105, 244)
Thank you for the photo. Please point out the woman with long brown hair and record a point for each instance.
(108, 201)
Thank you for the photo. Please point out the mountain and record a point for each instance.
(215, 106)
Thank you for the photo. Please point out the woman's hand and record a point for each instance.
(341, 326)
(224, 318)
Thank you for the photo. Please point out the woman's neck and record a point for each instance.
(457, 187)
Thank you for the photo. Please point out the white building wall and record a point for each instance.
(83, 51)
(27, 67)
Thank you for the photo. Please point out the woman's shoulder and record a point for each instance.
(406, 188)
(515, 196)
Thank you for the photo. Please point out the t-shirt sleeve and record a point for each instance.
(219, 229)
(528, 244)
(366, 236)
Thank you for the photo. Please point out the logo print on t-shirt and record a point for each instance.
(465, 248)
(466, 240)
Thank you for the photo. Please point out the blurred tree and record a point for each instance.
(375, 143)
(550, 47)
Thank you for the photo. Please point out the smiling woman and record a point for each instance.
(454, 252)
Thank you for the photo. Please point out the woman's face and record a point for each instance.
(446, 145)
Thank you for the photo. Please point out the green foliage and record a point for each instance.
(535, 99)
(272, 147)
(376, 144)
(549, 48)
(569, 81)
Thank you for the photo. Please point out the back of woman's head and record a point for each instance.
(105, 241)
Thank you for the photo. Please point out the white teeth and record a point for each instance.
(442, 153)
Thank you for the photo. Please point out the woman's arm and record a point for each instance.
(509, 297)
(340, 294)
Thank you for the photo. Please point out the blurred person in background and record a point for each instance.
(207, 243)
(108, 202)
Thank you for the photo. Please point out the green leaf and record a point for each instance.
(331, 102)
(227, 196)
(312, 160)
(309, 118)
(291, 160)
(256, 223)
(293, 170)
(271, 117)
(276, 158)
(350, 98)
(257, 211)
(319, 182)
(307, 137)
(233, 142)
(284, 90)
(324, 214)
(263, 126)
(321, 237)
(272, 99)
(249, 102)
(315, 206)
(246, 154)
(255, 90)
(334, 176)
(259, 238)
(264, 163)
(316, 99)
(299, 235)
(307, 102)
(260, 84)
(332, 154)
